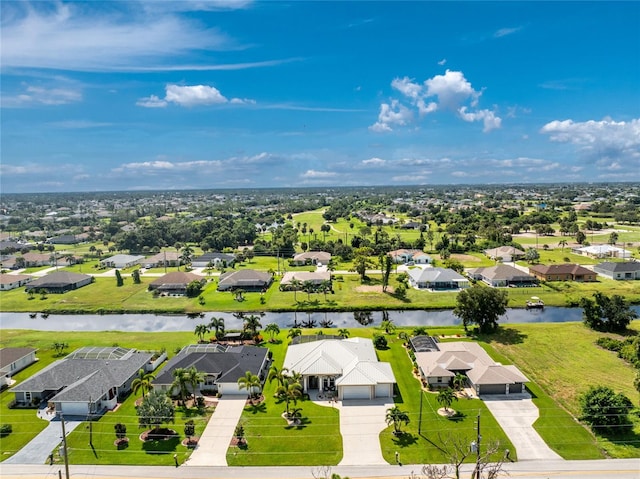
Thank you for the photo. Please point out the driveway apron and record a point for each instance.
(361, 422)
(38, 449)
(214, 442)
(516, 416)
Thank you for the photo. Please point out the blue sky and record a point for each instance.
(239, 94)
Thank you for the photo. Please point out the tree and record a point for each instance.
(135, 276)
(142, 382)
(581, 237)
(308, 287)
(59, 348)
(217, 325)
(482, 306)
(186, 255)
(294, 333)
(562, 244)
(251, 383)
(180, 382)
(201, 330)
(295, 285)
(343, 332)
(273, 329)
(396, 417)
(606, 411)
(252, 324)
(379, 341)
(611, 314)
(613, 238)
(531, 255)
(459, 380)
(325, 286)
(119, 279)
(388, 325)
(239, 433)
(386, 272)
(289, 391)
(194, 288)
(120, 430)
(194, 378)
(446, 397)
(189, 430)
(277, 374)
(155, 410)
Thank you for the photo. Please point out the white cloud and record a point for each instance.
(189, 96)
(390, 115)
(503, 32)
(374, 162)
(442, 62)
(313, 174)
(37, 95)
(451, 91)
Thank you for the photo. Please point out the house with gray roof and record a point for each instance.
(502, 275)
(13, 281)
(122, 261)
(213, 258)
(220, 365)
(504, 253)
(59, 282)
(627, 270)
(439, 364)
(311, 257)
(245, 279)
(88, 381)
(348, 366)
(14, 360)
(437, 279)
(175, 283)
(164, 258)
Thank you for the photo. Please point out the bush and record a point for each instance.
(610, 344)
(5, 430)
(606, 411)
(380, 342)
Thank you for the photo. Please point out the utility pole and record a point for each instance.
(64, 447)
(476, 472)
(420, 418)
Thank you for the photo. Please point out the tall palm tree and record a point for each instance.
(562, 244)
(194, 378)
(251, 383)
(290, 391)
(446, 397)
(180, 382)
(201, 330)
(325, 287)
(277, 374)
(295, 284)
(273, 329)
(397, 417)
(308, 287)
(142, 382)
(217, 325)
(252, 324)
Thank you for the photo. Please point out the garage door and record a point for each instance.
(493, 389)
(383, 390)
(74, 408)
(356, 392)
(231, 388)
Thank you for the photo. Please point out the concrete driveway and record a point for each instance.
(38, 449)
(361, 422)
(516, 414)
(214, 442)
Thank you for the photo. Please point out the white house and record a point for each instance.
(122, 261)
(14, 360)
(13, 281)
(348, 366)
(602, 251)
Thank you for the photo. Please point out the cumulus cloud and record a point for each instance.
(450, 91)
(374, 162)
(36, 95)
(189, 96)
(607, 142)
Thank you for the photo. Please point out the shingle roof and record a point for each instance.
(433, 275)
(58, 279)
(573, 269)
(177, 278)
(625, 267)
(11, 355)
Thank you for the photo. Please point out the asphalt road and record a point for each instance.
(602, 469)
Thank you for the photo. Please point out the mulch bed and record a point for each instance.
(191, 443)
(161, 434)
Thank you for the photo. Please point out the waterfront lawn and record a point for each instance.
(271, 442)
(564, 361)
(421, 447)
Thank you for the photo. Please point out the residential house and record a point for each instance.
(314, 277)
(64, 239)
(311, 257)
(214, 259)
(505, 254)
(437, 279)
(122, 261)
(619, 271)
(220, 365)
(59, 282)
(14, 360)
(88, 381)
(10, 246)
(439, 364)
(34, 260)
(412, 225)
(164, 258)
(410, 255)
(13, 281)
(502, 275)
(348, 366)
(562, 272)
(245, 279)
(175, 283)
(602, 251)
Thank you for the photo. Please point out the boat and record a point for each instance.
(535, 303)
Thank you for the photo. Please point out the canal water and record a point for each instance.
(152, 322)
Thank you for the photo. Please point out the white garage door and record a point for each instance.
(75, 408)
(383, 390)
(231, 388)
(356, 392)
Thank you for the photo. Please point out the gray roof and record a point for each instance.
(501, 271)
(626, 267)
(244, 277)
(58, 279)
(436, 275)
(228, 366)
(11, 355)
(84, 379)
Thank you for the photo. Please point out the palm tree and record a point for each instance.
(289, 391)
(562, 244)
(388, 325)
(273, 329)
(325, 287)
(194, 378)
(180, 382)
(142, 382)
(251, 383)
(252, 324)
(295, 284)
(396, 416)
(343, 332)
(308, 287)
(459, 381)
(446, 397)
(217, 325)
(277, 374)
(201, 330)
(187, 253)
(294, 333)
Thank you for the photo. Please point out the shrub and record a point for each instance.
(5, 430)
(610, 344)
(121, 430)
(380, 342)
(606, 411)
